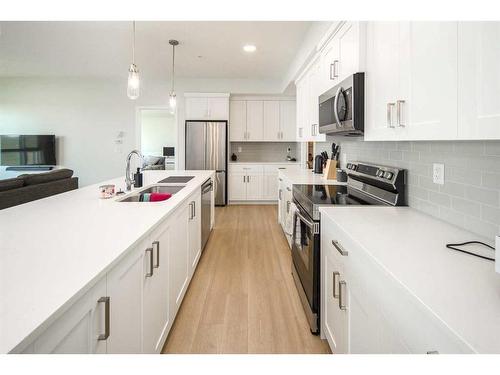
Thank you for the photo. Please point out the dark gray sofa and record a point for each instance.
(30, 187)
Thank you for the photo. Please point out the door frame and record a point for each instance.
(138, 128)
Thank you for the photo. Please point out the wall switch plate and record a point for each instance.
(497, 258)
(239, 148)
(438, 173)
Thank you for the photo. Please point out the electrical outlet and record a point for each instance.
(239, 148)
(438, 173)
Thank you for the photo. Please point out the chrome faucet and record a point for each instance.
(129, 180)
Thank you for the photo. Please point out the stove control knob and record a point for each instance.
(388, 175)
(380, 173)
(354, 167)
(349, 165)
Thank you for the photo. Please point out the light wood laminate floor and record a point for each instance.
(242, 298)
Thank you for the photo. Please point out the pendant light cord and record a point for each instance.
(133, 42)
(173, 67)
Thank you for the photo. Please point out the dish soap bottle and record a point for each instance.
(138, 178)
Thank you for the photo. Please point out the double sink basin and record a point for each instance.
(161, 187)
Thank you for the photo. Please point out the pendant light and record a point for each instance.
(172, 101)
(133, 84)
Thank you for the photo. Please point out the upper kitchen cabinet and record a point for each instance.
(411, 72)
(478, 80)
(207, 106)
(264, 119)
(342, 55)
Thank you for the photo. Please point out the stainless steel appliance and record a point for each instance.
(206, 211)
(206, 149)
(341, 109)
(367, 184)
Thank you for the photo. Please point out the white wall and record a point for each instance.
(87, 114)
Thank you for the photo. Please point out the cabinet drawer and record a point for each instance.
(274, 168)
(245, 168)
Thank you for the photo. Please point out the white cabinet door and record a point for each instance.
(237, 120)
(382, 79)
(270, 186)
(156, 316)
(300, 87)
(196, 108)
(288, 122)
(479, 80)
(330, 62)
(218, 108)
(124, 286)
(426, 105)
(194, 232)
(335, 320)
(349, 47)
(314, 91)
(179, 258)
(254, 186)
(255, 120)
(77, 331)
(237, 187)
(272, 131)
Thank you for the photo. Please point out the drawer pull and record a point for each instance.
(157, 244)
(433, 352)
(150, 251)
(339, 248)
(335, 274)
(105, 335)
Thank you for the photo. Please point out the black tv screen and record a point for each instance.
(27, 150)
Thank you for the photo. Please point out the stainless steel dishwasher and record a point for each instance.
(206, 211)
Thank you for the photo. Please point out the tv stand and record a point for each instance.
(30, 168)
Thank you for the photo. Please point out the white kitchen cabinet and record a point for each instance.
(207, 107)
(194, 232)
(270, 186)
(156, 314)
(237, 186)
(301, 118)
(237, 120)
(272, 131)
(124, 289)
(79, 328)
(254, 186)
(478, 80)
(255, 120)
(179, 258)
(411, 96)
(288, 120)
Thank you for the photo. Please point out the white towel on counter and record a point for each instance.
(289, 219)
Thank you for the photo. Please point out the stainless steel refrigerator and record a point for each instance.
(206, 149)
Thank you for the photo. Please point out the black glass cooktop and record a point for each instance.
(328, 194)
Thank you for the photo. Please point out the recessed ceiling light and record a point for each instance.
(249, 48)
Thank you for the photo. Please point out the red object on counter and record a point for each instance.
(158, 197)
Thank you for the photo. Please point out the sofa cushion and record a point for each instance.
(41, 178)
(11, 183)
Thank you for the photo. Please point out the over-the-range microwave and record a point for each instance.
(342, 108)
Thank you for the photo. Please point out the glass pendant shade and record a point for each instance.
(172, 101)
(133, 84)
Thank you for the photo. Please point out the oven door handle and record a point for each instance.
(304, 220)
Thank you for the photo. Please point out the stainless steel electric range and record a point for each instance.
(367, 184)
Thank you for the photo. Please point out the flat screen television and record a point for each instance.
(18, 150)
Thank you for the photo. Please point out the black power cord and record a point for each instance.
(453, 247)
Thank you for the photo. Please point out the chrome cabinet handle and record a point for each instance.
(248, 179)
(332, 71)
(150, 251)
(300, 132)
(280, 178)
(432, 352)
(399, 111)
(157, 243)
(105, 335)
(335, 69)
(335, 274)
(341, 295)
(390, 106)
(279, 193)
(287, 206)
(288, 188)
(339, 248)
(194, 209)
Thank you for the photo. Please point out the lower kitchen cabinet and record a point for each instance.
(124, 290)
(131, 309)
(78, 330)
(366, 310)
(194, 228)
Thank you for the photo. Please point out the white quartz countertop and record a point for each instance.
(306, 177)
(461, 290)
(52, 250)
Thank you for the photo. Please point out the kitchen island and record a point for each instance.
(62, 258)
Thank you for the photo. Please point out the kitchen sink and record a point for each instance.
(171, 189)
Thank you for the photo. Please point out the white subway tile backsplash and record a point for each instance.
(263, 151)
(470, 197)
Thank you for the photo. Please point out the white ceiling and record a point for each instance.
(103, 49)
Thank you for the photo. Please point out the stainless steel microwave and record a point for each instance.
(342, 108)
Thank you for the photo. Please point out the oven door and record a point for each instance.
(305, 256)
